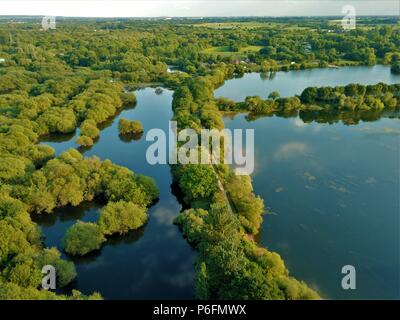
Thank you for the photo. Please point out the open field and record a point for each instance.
(225, 51)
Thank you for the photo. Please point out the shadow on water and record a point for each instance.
(129, 137)
(86, 211)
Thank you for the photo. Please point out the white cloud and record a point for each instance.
(299, 123)
(289, 150)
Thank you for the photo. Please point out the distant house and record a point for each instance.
(2, 60)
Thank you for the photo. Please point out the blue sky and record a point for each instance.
(197, 8)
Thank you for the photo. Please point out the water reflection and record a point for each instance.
(154, 262)
(333, 187)
(328, 117)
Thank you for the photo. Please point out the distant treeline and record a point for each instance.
(353, 97)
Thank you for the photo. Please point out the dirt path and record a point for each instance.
(221, 187)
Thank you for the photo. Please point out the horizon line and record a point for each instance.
(196, 17)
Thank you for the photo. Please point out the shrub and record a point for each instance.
(121, 217)
(148, 185)
(198, 181)
(89, 129)
(82, 238)
(85, 141)
(130, 127)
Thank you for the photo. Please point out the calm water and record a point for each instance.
(153, 262)
(334, 194)
(294, 82)
(333, 189)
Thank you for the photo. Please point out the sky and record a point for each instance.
(195, 8)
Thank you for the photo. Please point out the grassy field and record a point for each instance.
(225, 51)
(231, 25)
(247, 25)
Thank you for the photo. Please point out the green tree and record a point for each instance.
(395, 68)
(84, 141)
(130, 127)
(121, 217)
(82, 238)
(198, 181)
(89, 129)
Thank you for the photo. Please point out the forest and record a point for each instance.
(78, 76)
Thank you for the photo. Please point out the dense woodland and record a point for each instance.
(78, 76)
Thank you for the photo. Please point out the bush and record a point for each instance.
(82, 238)
(121, 217)
(198, 181)
(191, 222)
(85, 141)
(130, 127)
(65, 269)
(89, 129)
(148, 185)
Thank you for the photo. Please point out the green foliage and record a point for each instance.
(129, 127)
(118, 183)
(121, 217)
(11, 291)
(89, 129)
(148, 184)
(191, 222)
(395, 67)
(53, 82)
(128, 99)
(84, 141)
(202, 288)
(197, 181)
(246, 205)
(82, 238)
(12, 168)
(353, 97)
(232, 267)
(65, 270)
(23, 271)
(57, 120)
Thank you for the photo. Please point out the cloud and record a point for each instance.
(299, 123)
(290, 150)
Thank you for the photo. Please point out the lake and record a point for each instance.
(154, 262)
(294, 82)
(333, 189)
